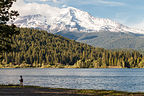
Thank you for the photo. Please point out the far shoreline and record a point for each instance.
(65, 68)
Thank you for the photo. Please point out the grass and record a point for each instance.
(18, 86)
(109, 93)
(82, 91)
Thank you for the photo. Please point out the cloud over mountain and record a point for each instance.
(32, 7)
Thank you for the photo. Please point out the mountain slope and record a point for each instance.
(72, 19)
(108, 40)
(81, 26)
(36, 48)
(111, 40)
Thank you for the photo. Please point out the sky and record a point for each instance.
(127, 12)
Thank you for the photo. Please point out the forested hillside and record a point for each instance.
(34, 48)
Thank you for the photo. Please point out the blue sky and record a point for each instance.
(128, 12)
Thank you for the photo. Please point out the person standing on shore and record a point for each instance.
(21, 81)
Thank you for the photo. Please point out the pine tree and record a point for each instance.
(6, 31)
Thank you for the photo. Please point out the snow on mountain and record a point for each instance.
(72, 19)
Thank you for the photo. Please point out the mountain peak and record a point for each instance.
(72, 19)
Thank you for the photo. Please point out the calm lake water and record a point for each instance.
(109, 79)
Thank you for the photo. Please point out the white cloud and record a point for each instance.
(55, 1)
(34, 8)
(44, 0)
(130, 20)
(91, 2)
(139, 25)
(97, 2)
(122, 17)
(111, 3)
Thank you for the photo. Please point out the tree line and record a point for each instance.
(35, 48)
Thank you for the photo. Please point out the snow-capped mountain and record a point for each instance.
(72, 19)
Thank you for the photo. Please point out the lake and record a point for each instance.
(110, 79)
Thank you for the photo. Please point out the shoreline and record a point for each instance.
(46, 91)
(66, 68)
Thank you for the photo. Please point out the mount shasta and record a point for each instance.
(81, 26)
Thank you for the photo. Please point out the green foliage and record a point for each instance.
(5, 13)
(35, 48)
(84, 64)
(141, 64)
(6, 31)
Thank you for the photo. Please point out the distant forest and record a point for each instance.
(35, 48)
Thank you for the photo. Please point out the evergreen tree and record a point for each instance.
(6, 31)
(37, 48)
